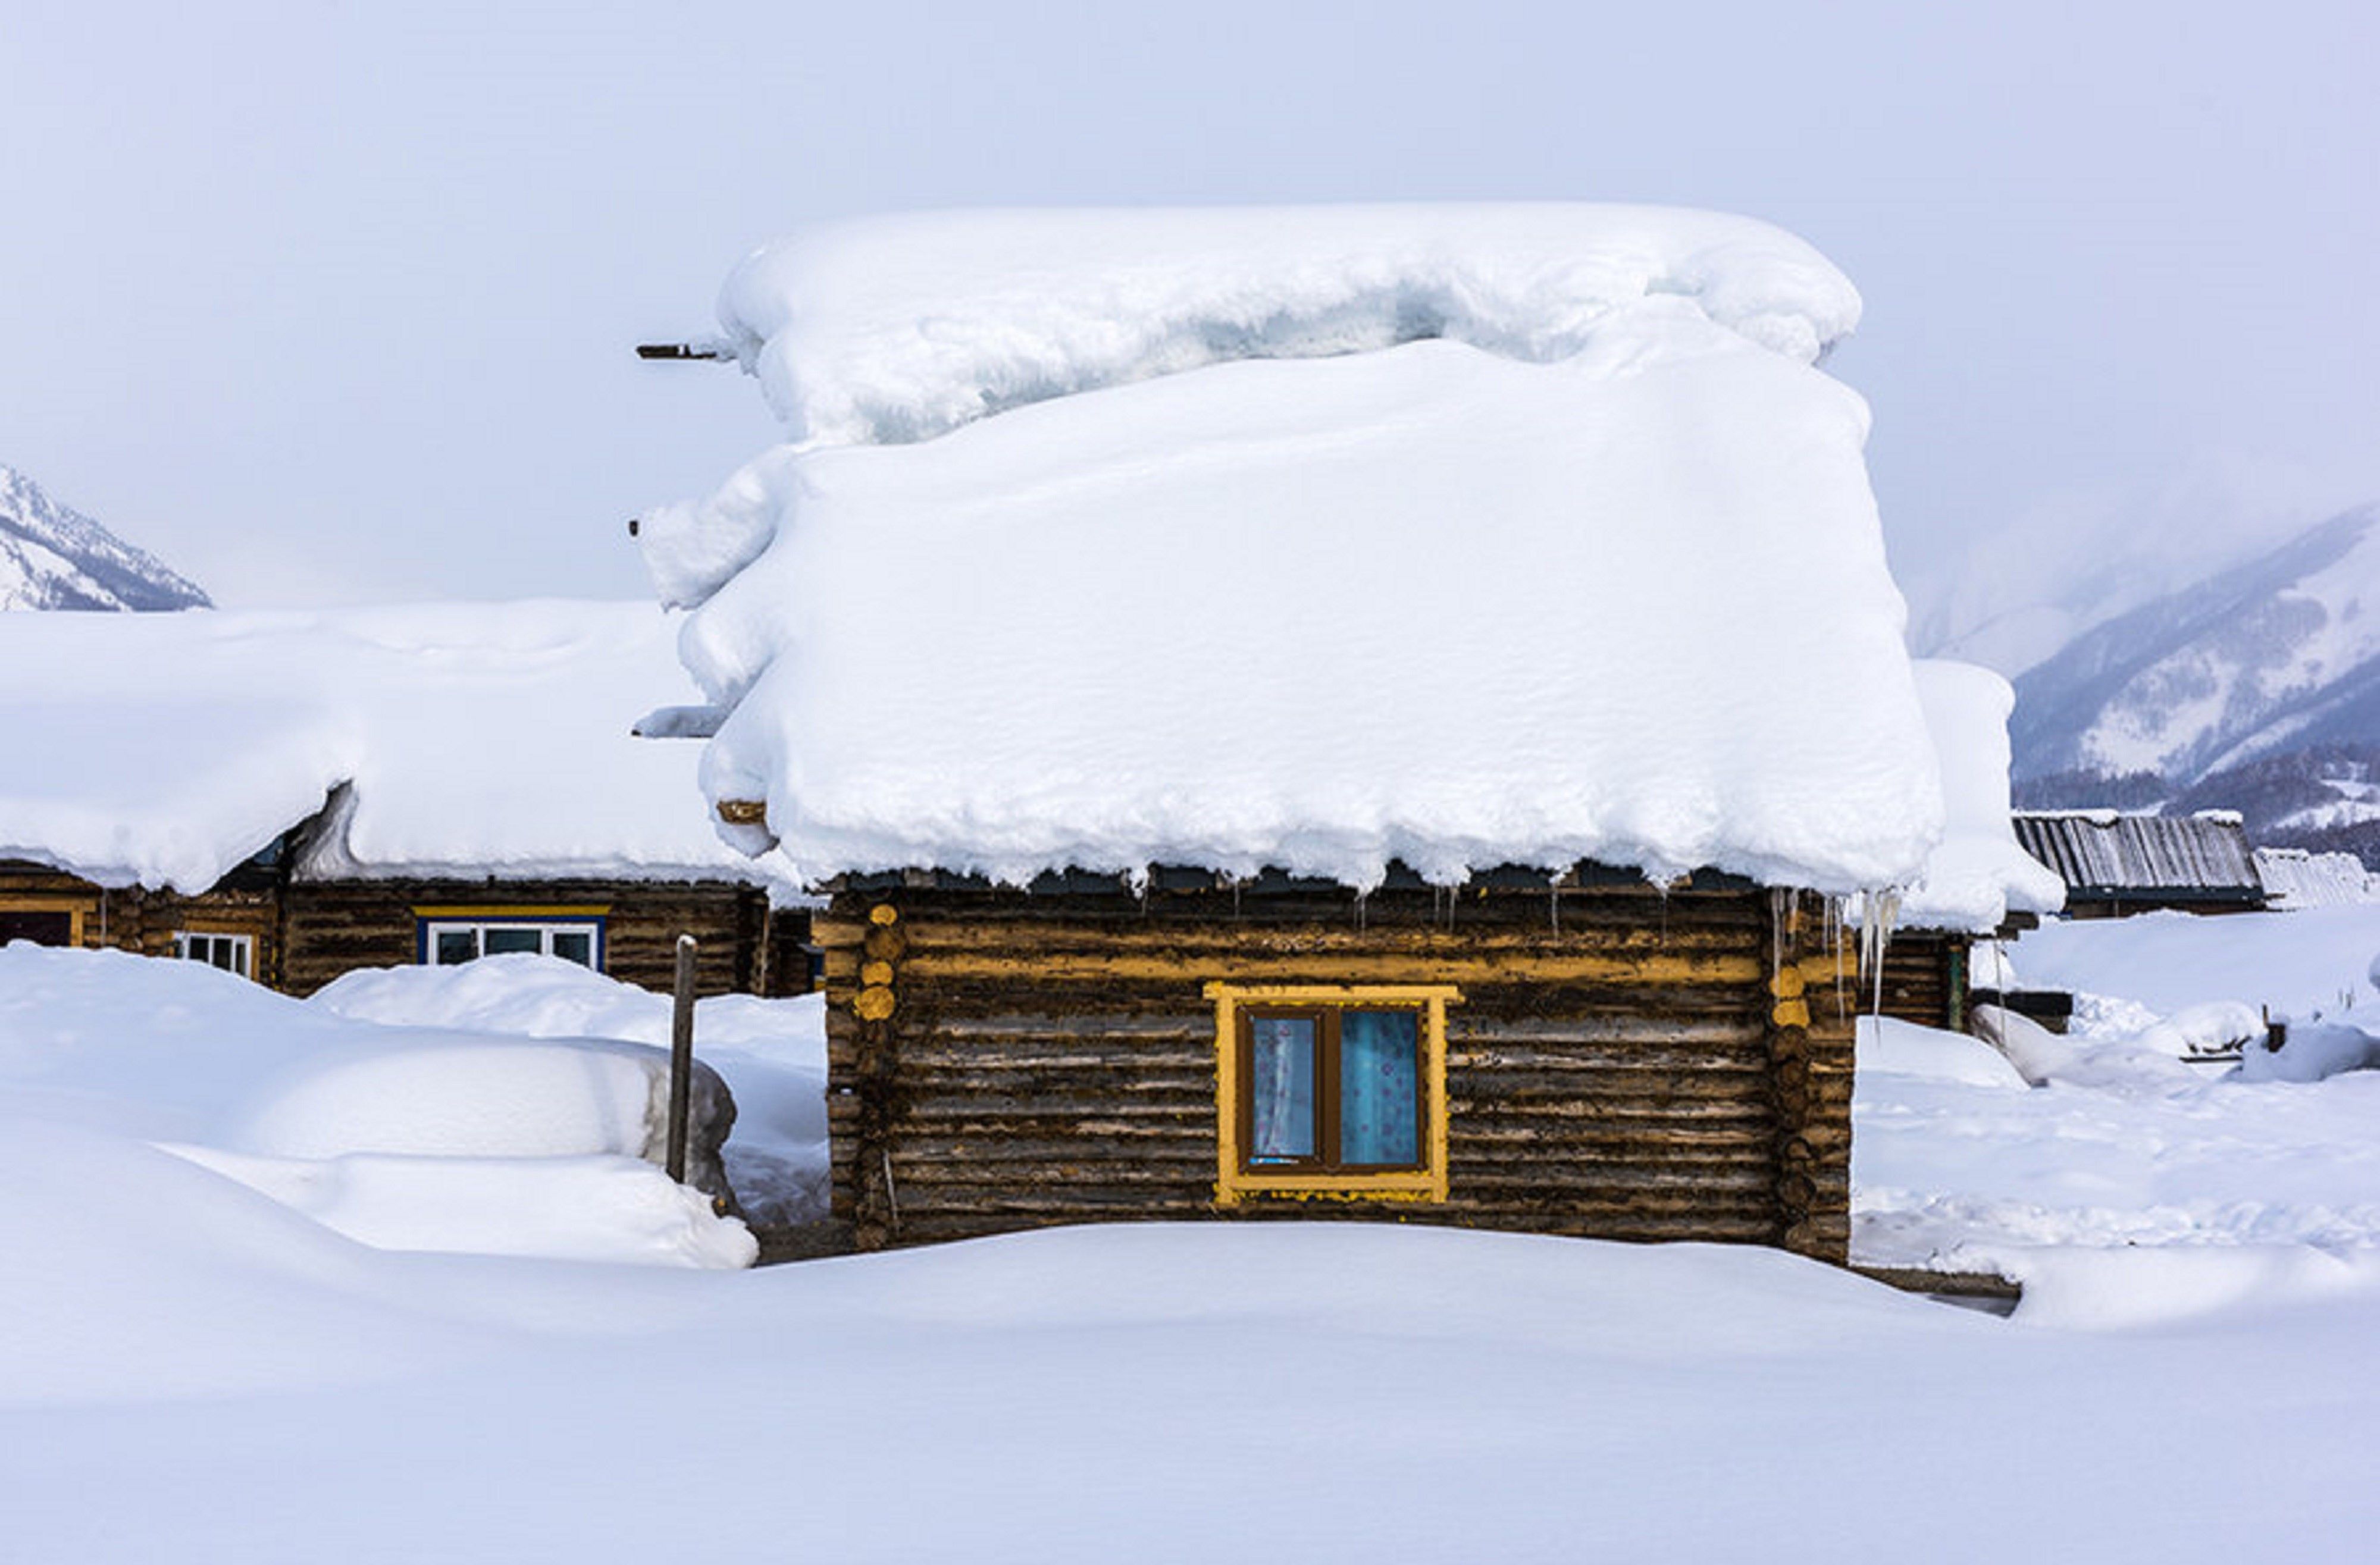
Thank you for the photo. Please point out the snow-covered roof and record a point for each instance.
(2203, 856)
(1590, 571)
(2295, 878)
(1977, 875)
(478, 738)
(901, 327)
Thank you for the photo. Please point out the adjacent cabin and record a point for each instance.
(2113, 865)
(1368, 713)
(292, 796)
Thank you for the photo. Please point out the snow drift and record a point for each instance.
(407, 1137)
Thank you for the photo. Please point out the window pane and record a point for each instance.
(457, 945)
(225, 956)
(500, 938)
(1379, 1087)
(575, 945)
(1280, 1088)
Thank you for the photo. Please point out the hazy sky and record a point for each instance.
(332, 303)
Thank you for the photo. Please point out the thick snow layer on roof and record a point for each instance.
(1427, 603)
(481, 739)
(899, 328)
(1978, 874)
(2293, 879)
(892, 329)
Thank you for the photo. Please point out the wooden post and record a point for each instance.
(681, 1057)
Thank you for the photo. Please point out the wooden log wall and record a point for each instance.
(132, 919)
(304, 934)
(1925, 979)
(1623, 1065)
(334, 926)
(155, 916)
(36, 887)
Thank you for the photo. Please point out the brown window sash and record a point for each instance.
(1325, 1156)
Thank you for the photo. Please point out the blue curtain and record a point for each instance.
(1281, 1093)
(1379, 1096)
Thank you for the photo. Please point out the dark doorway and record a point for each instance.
(40, 926)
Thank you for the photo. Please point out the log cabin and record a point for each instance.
(292, 796)
(1352, 714)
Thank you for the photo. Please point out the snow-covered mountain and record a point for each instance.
(55, 557)
(2280, 653)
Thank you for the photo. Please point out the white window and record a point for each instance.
(446, 943)
(233, 953)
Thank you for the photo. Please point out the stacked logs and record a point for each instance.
(1648, 1067)
(875, 1076)
(1810, 1056)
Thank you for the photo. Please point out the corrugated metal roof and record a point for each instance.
(2101, 852)
(2294, 878)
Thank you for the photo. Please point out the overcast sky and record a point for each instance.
(334, 303)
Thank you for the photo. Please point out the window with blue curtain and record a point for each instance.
(1328, 1087)
(1379, 1088)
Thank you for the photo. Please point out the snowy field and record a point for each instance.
(1958, 1163)
(213, 1354)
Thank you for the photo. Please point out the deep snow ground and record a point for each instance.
(1196, 1392)
(2124, 1145)
(192, 1370)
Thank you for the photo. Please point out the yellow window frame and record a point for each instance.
(1235, 1183)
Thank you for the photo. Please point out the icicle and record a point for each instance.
(1835, 909)
(1776, 938)
(1362, 901)
(1881, 907)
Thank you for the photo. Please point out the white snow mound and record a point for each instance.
(407, 1137)
(771, 1052)
(1429, 604)
(1978, 874)
(1889, 1046)
(899, 328)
